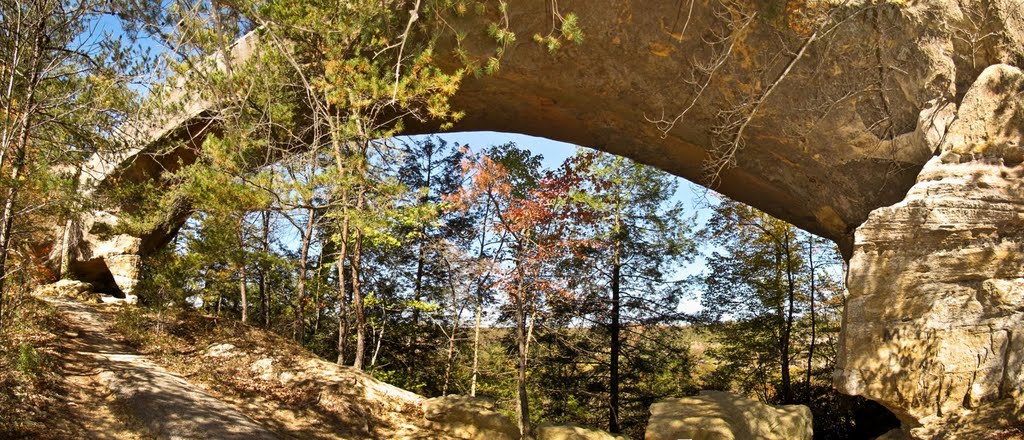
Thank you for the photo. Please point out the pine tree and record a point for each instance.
(643, 235)
(64, 96)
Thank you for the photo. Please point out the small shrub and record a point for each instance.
(28, 360)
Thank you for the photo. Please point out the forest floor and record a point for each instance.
(105, 372)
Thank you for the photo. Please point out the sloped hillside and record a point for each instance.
(273, 380)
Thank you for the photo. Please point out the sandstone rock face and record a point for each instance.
(934, 323)
(719, 415)
(569, 432)
(469, 418)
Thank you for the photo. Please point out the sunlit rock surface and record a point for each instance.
(570, 432)
(719, 415)
(933, 323)
(68, 288)
(468, 417)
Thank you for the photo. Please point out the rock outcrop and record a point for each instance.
(73, 289)
(720, 415)
(570, 432)
(469, 418)
(934, 323)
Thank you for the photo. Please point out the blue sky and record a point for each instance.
(694, 197)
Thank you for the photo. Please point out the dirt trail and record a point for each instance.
(165, 404)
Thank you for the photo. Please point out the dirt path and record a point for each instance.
(165, 404)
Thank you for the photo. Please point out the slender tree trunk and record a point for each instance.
(18, 166)
(616, 345)
(814, 323)
(422, 257)
(523, 404)
(479, 302)
(264, 299)
(380, 337)
(342, 294)
(220, 299)
(456, 314)
(242, 291)
(299, 329)
(316, 294)
(418, 284)
(65, 250)
(357, 294)
(476, 347)
(787, 386)
(339, 162)
(243, 278)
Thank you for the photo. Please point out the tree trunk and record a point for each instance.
(380, 337)
(814, 323)
(342, 294)
(616, 346)
(357, 294)
(456, 314)
(787, 386)
(264, 299)
(479, 302)
(242, 275)
(299, 329)
(339, 162)
(523, 404)
(316, 295)
(65, 250)
(476, 348)
(242, 290)
(18, 166)
(422, 257)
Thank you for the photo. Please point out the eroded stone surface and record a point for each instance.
(469, 418)
(68, 288)
(934, 322)
(719, 415)
(570, 432)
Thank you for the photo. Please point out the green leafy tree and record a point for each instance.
(643, 236)
(64, 96)
(753, 293)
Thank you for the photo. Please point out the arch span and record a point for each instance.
(834, 126)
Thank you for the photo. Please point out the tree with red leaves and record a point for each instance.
(543, 224)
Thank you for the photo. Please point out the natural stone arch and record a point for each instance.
(813, 156)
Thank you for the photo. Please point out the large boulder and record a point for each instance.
(720, 415)
(469, 418)
(66, 288)
(932, 325)
(570, 432)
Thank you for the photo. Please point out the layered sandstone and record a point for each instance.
(934, 323)
(719, 415)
